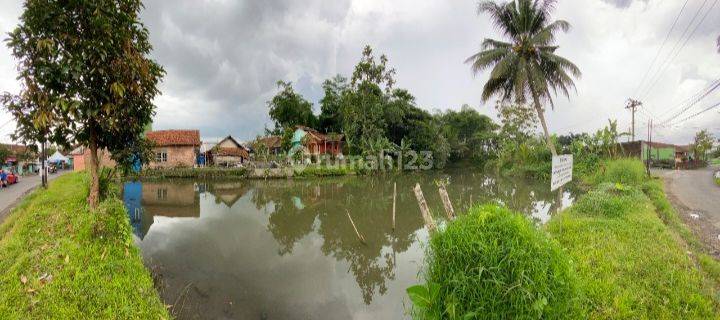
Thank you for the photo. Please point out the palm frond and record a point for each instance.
(484, 59)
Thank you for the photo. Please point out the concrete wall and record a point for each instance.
(81, 162)
(177, 156)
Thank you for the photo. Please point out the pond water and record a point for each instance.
(285, 249)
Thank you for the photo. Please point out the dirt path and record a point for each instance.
(697, 198)
(12, 195)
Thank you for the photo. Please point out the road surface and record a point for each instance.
(10, 196)
(697, 199)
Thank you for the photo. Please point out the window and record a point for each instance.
(162, 194)
(161, 156)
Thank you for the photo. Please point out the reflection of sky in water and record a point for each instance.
(285, 249)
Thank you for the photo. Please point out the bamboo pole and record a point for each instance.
(446, 202)
(427, 217)
(394, 200)
(354, 228)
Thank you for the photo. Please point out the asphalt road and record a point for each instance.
(697, 198)
(13, 194)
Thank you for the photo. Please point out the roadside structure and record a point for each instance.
(174, 148)
(273, 144)
(229, 153)
(21, 158)
(661, 154)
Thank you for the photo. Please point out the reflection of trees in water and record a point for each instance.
(295, 206)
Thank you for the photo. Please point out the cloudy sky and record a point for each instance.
(223, 58)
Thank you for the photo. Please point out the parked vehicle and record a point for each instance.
(12, 178)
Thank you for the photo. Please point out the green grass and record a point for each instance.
(631, 251)
(321, 171)
(60, 261)
(494, 264)
(626, 171)
(199, 173)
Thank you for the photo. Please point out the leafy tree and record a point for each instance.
(363, 104)
(518, 122)
(470, 134)
(4, 153)
(87, 62)
(703, 143)
(526, 65)
(289, 109)
(330, 117)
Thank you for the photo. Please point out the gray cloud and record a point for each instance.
(223, 57)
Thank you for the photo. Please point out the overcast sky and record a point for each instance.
(223, 58)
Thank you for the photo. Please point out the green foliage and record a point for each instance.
(200, 173)
(330, 116)
(703, 143)
(289, 109)
(322, 171)
(530, 158)
(629, 264)
(609, 200)
(526, 67)
(494, 264)
(470, 135)
(627, 171)
(4, 153)
(88, 79)
(59, 261)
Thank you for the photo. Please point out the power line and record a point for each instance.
(695, 114)
(673, 56)
(694, 102)
(689, 99)
(657, 54)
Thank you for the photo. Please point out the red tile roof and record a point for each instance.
(165, 138)
(233, 152)
(271, 141)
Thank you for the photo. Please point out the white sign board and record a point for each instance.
(562, 167)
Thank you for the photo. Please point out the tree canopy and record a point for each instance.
(86, 70)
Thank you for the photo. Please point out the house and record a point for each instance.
(81, 158)
(228, 152)
(661, 154)
(273, 144)
(174, 148)
(315, 143)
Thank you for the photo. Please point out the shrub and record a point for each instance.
(201, 173)
(609, 200)
(626, 171)
(495, 264)
(321, 171)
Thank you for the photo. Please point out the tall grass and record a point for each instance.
(626, 171)
(494, 264)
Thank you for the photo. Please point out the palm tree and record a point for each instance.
(526, 65)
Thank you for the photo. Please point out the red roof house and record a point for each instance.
(174, 148)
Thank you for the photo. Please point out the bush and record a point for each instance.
(201, 173)
(494, 264)
(626, 171)
(321, 171)
(609, 200)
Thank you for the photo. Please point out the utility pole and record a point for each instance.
(649, 147)
(632, 104)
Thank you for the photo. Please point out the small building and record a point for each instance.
(661, 154)
(229, 153)
(22, 159)
(316, 143)
(272, 143)
(174, 148)
(81, 158)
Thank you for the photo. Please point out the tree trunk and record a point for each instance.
(43, 173)
(541, 116)
(94, 196)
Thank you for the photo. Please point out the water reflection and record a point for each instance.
(285, 248)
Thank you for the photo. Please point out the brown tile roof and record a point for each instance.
(233, 152)
(320, 136)
(15, 149)
(271, 141)
(165, 138)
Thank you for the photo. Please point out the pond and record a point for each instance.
(285, 249)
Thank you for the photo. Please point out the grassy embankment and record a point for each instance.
(630, 257)
(60, 261)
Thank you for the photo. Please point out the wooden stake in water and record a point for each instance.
(394, 196)
(446, 202)
(427, 217)
(354, 228)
